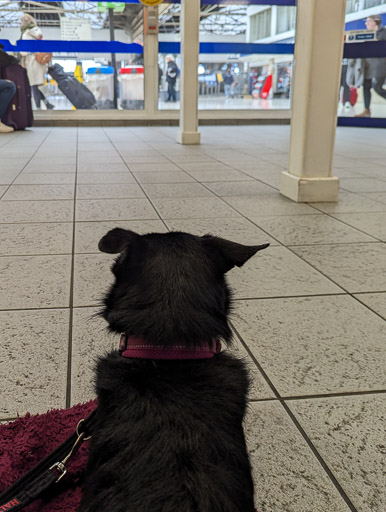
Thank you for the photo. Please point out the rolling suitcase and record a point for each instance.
(19, 112)
(77, 93)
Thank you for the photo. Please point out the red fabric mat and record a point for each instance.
(26, 441)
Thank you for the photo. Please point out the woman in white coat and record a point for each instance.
(36, 72)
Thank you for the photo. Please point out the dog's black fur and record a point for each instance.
(169, 435)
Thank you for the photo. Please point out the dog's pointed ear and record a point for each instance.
(230, 254)
(116, 240)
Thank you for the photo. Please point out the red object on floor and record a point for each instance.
(264, 92)
(26, 441)
(353, 95)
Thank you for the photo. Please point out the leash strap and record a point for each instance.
(47, 472)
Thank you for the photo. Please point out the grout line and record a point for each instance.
(298, 426)
(25, 165)
(138, 183)
(71, 302)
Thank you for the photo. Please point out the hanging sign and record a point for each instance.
(358, 36)
(117, 6)
(150, 3)
(75, 29)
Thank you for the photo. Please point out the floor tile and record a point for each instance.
(271, 178)
(158, 167)
(224, 175)
(40, 161)
(33, 361)
(88, 234)
(310, 229)
(114, 209)
(90, 340)
(40, 238)
(363, 185)
(3, 188)
(36, 211)
(375, 196)
(315, 345)
(357, 268)
(273, 204)
(194, 157)
(104, 167)
(35, 281)
(6, 178)
(90, 178)
(199, 207)
(259, 389)
(375, 301)
(45, 179)
(366, 169)
(258, 165)
(351, 203)
(144, 159)
(176, 190)
(163, 177)
(243, 188)
(39, 192)
(104, 191)
(48, 168)
(349, 434)
(287, 475)
(204, 167)
(277, 272)
(95, 161)
(92, 278)
(237, 229)
(372, 223)
(12, 164)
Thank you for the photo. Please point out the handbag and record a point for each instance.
(43, 57)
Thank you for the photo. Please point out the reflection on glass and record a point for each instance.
(78, 80)
(363, 92)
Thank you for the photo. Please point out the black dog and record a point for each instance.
(169, 435)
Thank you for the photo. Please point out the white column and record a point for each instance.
(317, 69)
(150, 61)
(190, 21)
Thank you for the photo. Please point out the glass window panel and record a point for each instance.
(286, 19)
(94, 70)
(367, 99)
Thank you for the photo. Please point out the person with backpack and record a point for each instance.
(171, 78)
(7, 89)
(36, 70)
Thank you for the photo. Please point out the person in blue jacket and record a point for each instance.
(228, 81)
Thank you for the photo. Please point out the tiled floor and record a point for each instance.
(310, 310)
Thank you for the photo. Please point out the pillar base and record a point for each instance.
(309, 190)
(188, 137)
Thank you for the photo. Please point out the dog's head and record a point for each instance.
(171, 287)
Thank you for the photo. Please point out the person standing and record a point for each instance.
(36, 72)
(228, 81)
(7, 89)
(171, 78)
(375, 68)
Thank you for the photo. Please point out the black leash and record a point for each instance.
(48, 472)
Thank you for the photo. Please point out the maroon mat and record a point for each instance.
(26, 441)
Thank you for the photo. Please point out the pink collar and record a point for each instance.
(136, 347)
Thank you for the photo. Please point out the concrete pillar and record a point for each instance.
(317, 69)
(190, 20)
(150, 62)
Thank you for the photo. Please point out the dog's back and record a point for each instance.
(172, 439)
(169, 435)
